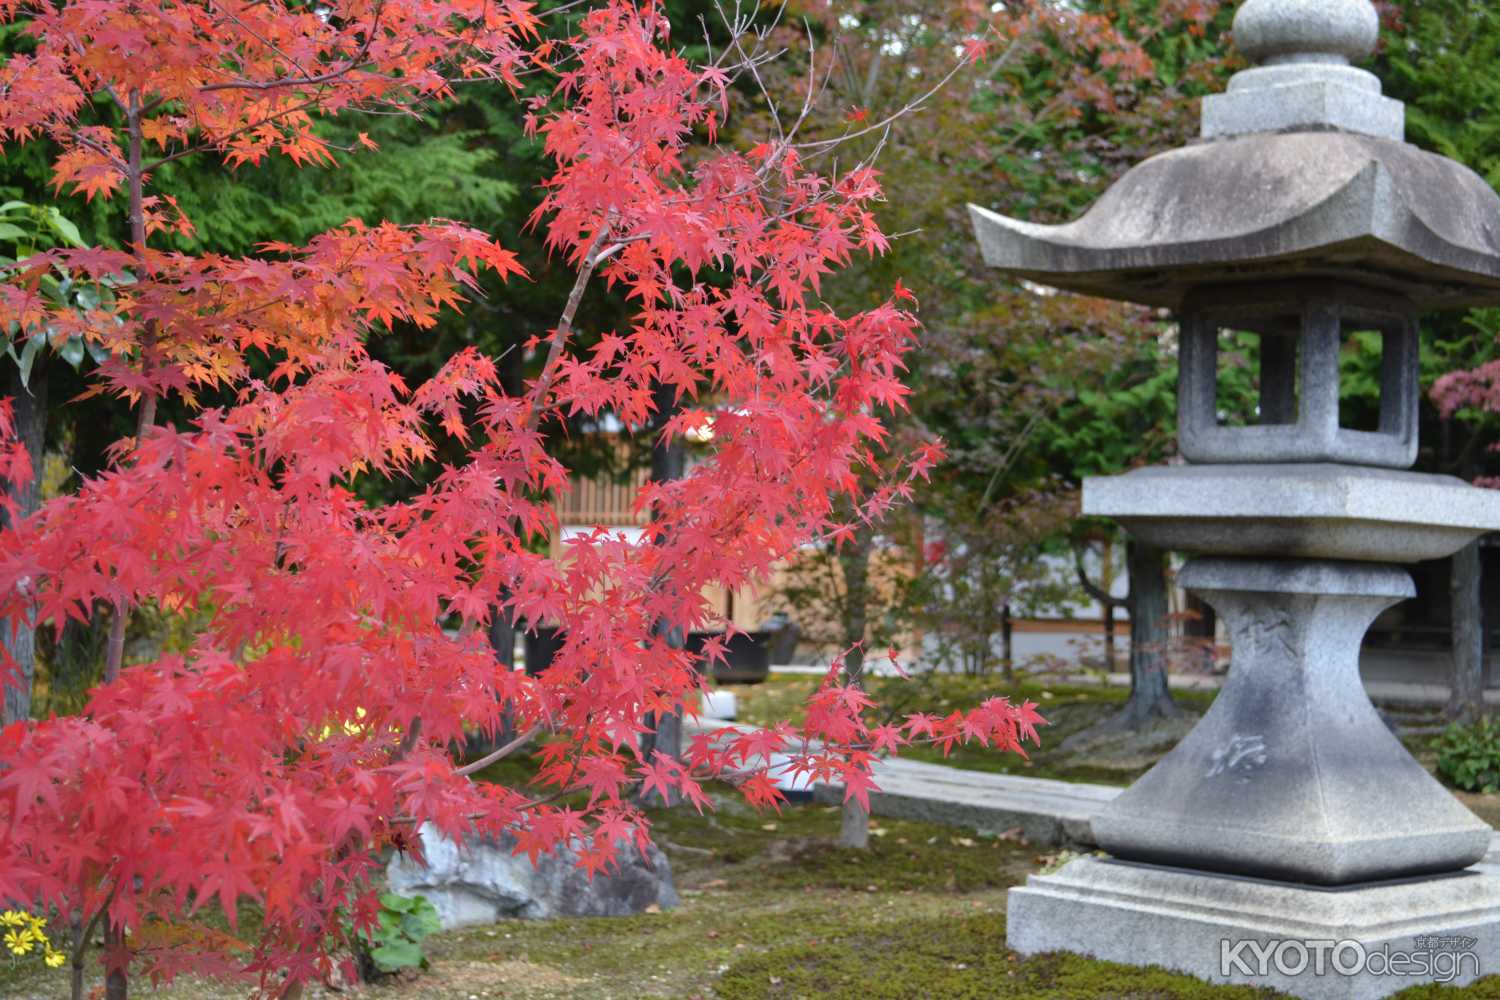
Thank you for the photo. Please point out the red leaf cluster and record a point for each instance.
(337, 647)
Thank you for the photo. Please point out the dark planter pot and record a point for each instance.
(747, 656)
(542, 644)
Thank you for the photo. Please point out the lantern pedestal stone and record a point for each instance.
(1291, 774)
(1289, 841)
(1355, 942)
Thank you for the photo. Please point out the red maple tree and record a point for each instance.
(340, 648)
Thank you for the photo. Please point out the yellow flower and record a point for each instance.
(19, 942)
(25, 935)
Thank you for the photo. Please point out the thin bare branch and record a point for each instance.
(500, 754)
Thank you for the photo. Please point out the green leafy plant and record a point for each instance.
(1469, 755)
(395, 943)
(26, 229)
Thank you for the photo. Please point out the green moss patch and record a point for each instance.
(795, 850)
(962, 958)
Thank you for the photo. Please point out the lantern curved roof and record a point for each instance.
(1269, 206)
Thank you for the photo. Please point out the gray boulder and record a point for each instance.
(480, 882)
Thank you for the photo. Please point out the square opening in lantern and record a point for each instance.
(1372, 355)
(1256, 374)
(1297, 372)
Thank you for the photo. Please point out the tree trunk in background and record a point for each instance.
(1109, 638)
(30, 408)
(1150, 699)
(668, 463)
(1107, 582)
(854, 827)
(1007, 644)
(1201, 625)
(1466, 689)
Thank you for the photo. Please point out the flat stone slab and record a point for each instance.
(1046, 811)
(1358, 942)
(1309, 510)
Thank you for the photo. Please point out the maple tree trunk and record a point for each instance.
(30, 409)
(665, 738)
(1466, 688)
(668, 463)
(502, 636)
(114, 650)
(854, 825)
(75, 959)
(502, 631)
(116, 983)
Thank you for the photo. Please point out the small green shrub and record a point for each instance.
(396, 941)
(1469, 756)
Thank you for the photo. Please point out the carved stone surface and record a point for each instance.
(1291, 774)
(1312, 510)
(1214, 926)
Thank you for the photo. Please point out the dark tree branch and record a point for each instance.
(1090, 587)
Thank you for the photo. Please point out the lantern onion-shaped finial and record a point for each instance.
(1303, 80)
(1276, 32)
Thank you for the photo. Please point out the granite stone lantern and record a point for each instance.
(1289, 840)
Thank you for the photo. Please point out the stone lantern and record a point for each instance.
(1290, 813)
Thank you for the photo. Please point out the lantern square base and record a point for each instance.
(1357, 942)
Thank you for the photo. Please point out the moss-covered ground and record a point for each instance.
(772, 909)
